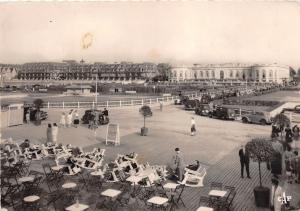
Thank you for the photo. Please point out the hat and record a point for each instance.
(176, 149)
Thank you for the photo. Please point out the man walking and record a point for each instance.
(244, 160)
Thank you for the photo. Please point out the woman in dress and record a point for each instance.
(54, 133)
(76, 119)
(49, 133)
(63, 119)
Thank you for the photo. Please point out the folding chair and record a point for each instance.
(204, 201)
(216, 186)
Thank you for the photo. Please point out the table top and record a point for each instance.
(205, 209)
(77, 207)
(56, 168)
(111, 193)
(158, 200)
(32, 198)
(69, 185)
(170, 185)
(97, 173)
(219, 193)
(134, 179)
(25, 179)
(3, 209)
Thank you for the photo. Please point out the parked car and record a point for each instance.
(202, 110)
(257, 117)
(181, 99)
(88, 115)
(32, 111)
(190, 104)
(222, 113)
(296, 109)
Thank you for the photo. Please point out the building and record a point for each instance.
(78, 89)
(71, 70)
(263, 73)
(7, 72)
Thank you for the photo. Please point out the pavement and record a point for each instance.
(215, 145)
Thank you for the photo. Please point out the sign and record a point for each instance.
(113, 134)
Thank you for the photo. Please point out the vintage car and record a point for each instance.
(296, 109)
(181, 99)
(222, 113)
(89, 115)
(202, 110)
(32, 112)
(257, 117)
(190, 104)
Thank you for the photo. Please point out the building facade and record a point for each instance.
(8, 72)
(70, 70)
(231, 72)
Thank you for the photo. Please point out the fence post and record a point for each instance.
(120, 103)
(132, 102)
(106, 103)
(142, 101)
(78, 105)
(48, 105)
(240, 112)
(93, 105)
(63, 103)
(157, 100)
(150, 101)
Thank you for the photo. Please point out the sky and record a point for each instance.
(176, 32)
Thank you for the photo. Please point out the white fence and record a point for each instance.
(115, 103)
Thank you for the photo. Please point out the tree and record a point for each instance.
(145, 111)
(164, 70)
(260, 150)
(38, 103)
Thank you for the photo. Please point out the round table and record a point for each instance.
(69, 185)
(32, 198)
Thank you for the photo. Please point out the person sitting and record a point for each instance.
(195, 166)
(24, 145)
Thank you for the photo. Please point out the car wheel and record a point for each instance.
(244, 120)
(263, 122)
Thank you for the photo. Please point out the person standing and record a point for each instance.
(49, 133)
(54, 133)
(193, 126)
(63, 119)
(69, 118)
(160, 105)
(76, 119)
(105, 113)
(179, 164)
(27, 117)
(244, 160)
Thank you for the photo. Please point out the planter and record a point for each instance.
(262, 196)
(144, 131)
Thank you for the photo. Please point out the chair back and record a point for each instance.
(204, 201)
(216, 186)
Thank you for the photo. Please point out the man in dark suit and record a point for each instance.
(244, 160)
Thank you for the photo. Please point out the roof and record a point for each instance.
(79, 87)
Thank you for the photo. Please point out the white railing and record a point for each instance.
(116, 103)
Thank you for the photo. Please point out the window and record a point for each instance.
(207, 74)
(264, 74)
(257, 73)
(222, 75)
(201, 74)
(213, 73)
(180, 75)
(270, 73)
(195, 75)
(231, 74)
(237, 75)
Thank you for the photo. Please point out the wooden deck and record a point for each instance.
(227, 171)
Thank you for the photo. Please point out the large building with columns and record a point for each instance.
(263, 73)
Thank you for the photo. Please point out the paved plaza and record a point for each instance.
(216, 146)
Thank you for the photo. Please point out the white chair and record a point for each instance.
(194, 178)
